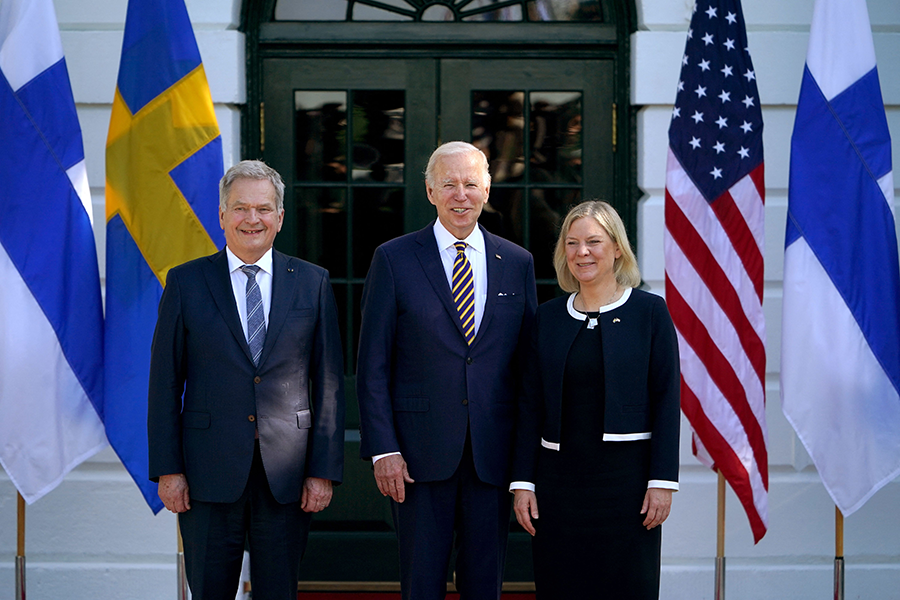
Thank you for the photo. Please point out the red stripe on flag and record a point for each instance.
(741, 239)
(757, 175)
(726, 459)
(709, 270)
(720, 371)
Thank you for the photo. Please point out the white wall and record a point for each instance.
(795, 558)
(94, 536)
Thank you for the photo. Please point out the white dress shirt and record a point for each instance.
(239, 284)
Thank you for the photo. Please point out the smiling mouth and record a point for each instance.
(459, 211)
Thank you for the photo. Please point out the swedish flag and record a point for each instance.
(163, 164)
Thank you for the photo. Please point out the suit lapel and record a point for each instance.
(284, 287)
(493, 260)
(430, 259)
(219, 281)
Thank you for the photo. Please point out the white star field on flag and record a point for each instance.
(720, 141)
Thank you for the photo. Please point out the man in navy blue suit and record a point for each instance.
(438, 380)
(246, 402)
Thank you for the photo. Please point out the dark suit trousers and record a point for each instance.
(214, 535)
(425, 522)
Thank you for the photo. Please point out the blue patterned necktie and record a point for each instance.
(256, 321)
(463, 290)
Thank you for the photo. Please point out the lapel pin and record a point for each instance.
(290, 270)
(616, 320)
(498, 256)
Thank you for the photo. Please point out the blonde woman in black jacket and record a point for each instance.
(597, 441)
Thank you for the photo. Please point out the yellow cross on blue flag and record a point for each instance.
(163, 165)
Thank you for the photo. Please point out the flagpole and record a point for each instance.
(20, 549)
(720, 540)
(180, 572)
(838, 554)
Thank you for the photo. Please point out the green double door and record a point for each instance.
(351, 137)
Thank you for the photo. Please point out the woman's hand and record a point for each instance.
(657, 503)
(525, 505)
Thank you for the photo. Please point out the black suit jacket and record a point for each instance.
(207, 399)
(641, 375)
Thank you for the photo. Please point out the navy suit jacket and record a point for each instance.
(207, 399)
(420, 386)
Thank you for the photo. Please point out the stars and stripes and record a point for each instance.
(714, 213)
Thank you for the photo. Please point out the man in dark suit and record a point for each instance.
(445, 315)
(246, 401)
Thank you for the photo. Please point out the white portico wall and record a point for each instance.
(94, 537)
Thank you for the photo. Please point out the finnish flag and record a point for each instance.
(840, 363)
(51, 316)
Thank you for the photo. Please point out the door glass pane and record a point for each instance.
(565, 10)
(504, 214)
(507, 13)
(322, 228)
(438, 12)
(377, 218)
(548, 208)
(497, 129)
(311, 10)
(378, 135)
(556, 137)
(535, 179)
(407, 10)
(364, 12)
(321, 133)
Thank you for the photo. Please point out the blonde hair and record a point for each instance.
(625, 268)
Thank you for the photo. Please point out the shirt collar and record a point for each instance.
(445, 239)
(234, 263)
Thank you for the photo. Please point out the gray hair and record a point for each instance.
(450, 149)
(250, 169)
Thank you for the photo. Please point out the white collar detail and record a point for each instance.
(576, 314)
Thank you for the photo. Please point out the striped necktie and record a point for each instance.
(256, 322)
(463, 290)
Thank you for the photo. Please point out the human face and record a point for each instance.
(590, 253)
(251, 218)
(459, 192)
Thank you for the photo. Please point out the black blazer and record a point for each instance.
(295, 397)
(420, 386)
(642, 381)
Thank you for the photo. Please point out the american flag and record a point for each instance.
(715, 196)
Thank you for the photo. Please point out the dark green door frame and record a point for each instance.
(266, 38)
(442, 49)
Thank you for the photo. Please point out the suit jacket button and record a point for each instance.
(469, 360)
(465, 401)
(257, 379)
(251, 418)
